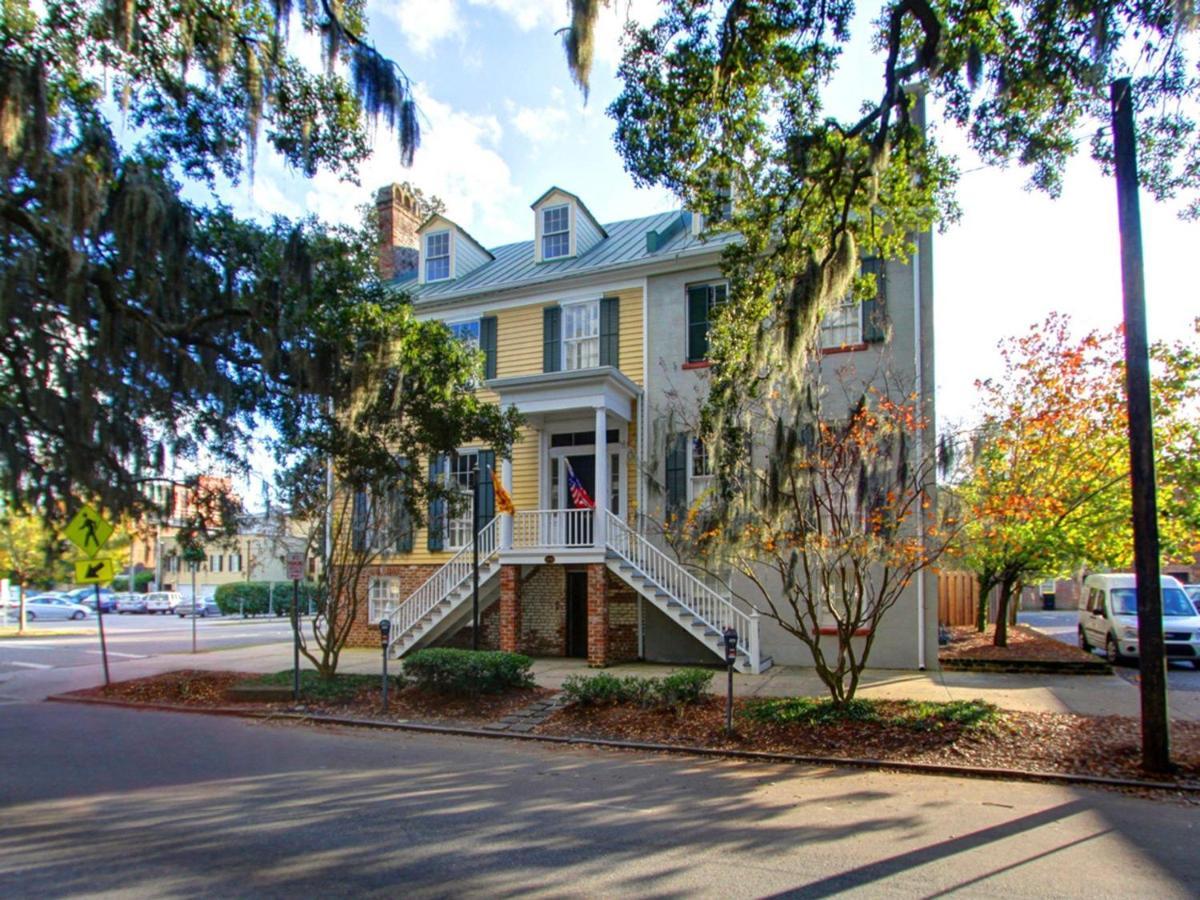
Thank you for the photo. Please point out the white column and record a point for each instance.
(506, 520)
(601, 491)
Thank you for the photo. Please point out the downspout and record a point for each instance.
(918, 362)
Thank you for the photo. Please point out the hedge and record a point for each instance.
(686, 687)
(468, 672)
(256, 595)
(141, 582)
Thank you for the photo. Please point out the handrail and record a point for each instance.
(553, 528)
(417, 605)
(696, 597)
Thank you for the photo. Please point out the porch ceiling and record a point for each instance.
(547, 393)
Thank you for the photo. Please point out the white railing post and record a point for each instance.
(755, 653)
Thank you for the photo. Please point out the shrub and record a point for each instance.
(468, 672)
(687, 687)
(254, 598)
(339, 689)
(920, 715)
(682, 688)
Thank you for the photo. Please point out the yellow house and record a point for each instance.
(597, 334)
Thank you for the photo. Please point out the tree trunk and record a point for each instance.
(1006, 587)
(985, 588)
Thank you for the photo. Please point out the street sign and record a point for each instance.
(88, 531)
(94, 571)
(296, 564)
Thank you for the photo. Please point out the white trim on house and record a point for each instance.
(547, 393)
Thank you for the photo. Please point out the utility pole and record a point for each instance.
(1156, 739)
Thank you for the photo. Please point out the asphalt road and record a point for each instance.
(124, 803)
(1064, 626)
(134, 637)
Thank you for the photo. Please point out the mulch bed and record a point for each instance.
(207, 689)
(1107, 746)
(1024, 644)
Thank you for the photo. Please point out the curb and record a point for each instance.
(675, 749)
(1032, 667)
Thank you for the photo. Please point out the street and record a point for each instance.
(1063, 625)
(207, 806)
(134, 637)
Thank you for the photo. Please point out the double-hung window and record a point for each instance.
(463, 470)
(383, 592)
(556, 232)
(581, 335)
(699, 471)
(467, 332)
(437, 255)
(842, 325)
(703, 299)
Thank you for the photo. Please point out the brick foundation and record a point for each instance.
(489, 632)
(366, 634)
(544, 612)
(622, 620)
(597, 614)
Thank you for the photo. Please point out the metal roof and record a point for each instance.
(513, 264)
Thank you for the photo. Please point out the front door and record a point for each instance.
(577, 614)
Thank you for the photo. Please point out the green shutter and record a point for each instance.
(551, 339)
(677, 447)
(487, 343)
(401, 518)
(358, 522)
(874, 311)
(487, 491)
(437, 508)
(697, 323)
(610, 331)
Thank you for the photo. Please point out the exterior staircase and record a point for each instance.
(444, 600)
(685, 599)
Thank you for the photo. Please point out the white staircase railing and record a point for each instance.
(417, 605)
(694, 595)
(552, 528)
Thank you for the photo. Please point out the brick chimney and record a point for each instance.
(399, 220)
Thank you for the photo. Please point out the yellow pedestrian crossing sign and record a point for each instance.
(88, 531)
(94, 571)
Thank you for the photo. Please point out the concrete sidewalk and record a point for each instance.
(1092, 695)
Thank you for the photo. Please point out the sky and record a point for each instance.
(502, 121)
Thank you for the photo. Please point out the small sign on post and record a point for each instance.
(89, 532)
(385, 630)
(296, 563)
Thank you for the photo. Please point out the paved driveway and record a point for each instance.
(108, 802)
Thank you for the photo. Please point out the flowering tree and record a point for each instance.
(1045, 488)
(831, 525)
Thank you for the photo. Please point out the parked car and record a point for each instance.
(51, 607)
(163, 602)
(205, 607)
(1193, 592)
(1108, 619)
(131, 603)
(87, 597)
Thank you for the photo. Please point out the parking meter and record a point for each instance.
(730, 637)
(385, 630)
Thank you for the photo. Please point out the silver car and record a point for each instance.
(51, 607)
(131, 603)
(205, 607)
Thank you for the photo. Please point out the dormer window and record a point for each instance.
(556, 231)
(437, 255)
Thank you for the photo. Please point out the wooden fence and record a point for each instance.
(958, 598)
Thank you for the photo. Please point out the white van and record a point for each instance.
(1108, 618)
(163, 602)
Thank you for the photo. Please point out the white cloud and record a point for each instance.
(542, 124)
(458, 160)
(529, 14)
(423, 23)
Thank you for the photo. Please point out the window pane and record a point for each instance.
(842, 325)
(438, 244)
(555, 219)
(467, 332)
(437, 269)
(556, 245)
